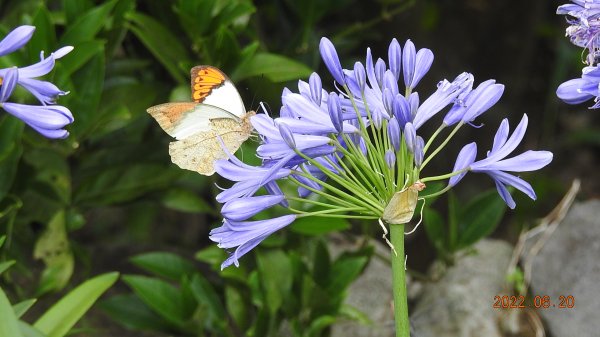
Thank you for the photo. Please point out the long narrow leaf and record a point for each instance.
(9, 326)
(62, 316)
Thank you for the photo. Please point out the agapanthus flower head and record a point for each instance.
(47, 119)
(353, 151)
(583, 17)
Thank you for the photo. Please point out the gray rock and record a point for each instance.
(460, 304)
(371, 294)
(569, 265)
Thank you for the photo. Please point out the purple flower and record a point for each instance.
(243, 208)
(48, 120)
(415, 65)
(331, 59)
(495, 163)
(245, 235)
(475, 103)
(16, 39)
(582, 89)
(445, 94)
(584, 29)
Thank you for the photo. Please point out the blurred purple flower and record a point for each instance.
(582, 89)
(584, 30)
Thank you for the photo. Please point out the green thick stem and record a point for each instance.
(399, 281)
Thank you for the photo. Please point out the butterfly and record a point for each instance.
(217, 113)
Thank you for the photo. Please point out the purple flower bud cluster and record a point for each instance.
(48, 119)
(583, 17)
(317, 131)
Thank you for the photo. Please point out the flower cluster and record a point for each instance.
(352, 152)
(583, 17)
(48, 119)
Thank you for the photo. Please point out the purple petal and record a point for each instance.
(481, 99)
(505, 194)
(16, 39)
(465, 158)
(408, 62)
(514, 181)
(331, 60)
(287, 135)
(8, 83)
(569, 91)
(246, 235)
(316, 88)
(244, 208)
(360, 75)
(335, 112)
(390, 158)
(394, 133)
(44, 91)
(395, 58)
(410, 137)
(423, 63)
(526, 161)
(508, 147)
(501, 136)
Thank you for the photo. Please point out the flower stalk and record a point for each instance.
(402, 325)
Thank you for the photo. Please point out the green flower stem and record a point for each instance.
(363, 180)
(364, 199)
(432, 138)
(442, 145)
(321, 193)
(329, 211)
(343, 216)
(445, 176)
(399, 281)
(359, 159)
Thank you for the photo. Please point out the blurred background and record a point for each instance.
(117, 203)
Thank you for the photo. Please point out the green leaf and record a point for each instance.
(10, 151)
(162, 44)
(275, 271)
(355, 315)
(5, 265)
(29, 331)
(75, 8)
(132, 313)
(62, 316)
(22, 307)
(120, 184)
(435, 229)
(320, 324)
(160, 296)
(345, 270)
(167, 265)
(276, 68)
(319, 226)
(10, 325)
(207, 298)
(53, 248)
(88, 83)
(44, 37)
(185, 201)
(79, 56)
(87, 26)
(2, 239)
(212, 255)
(236, 307)
(480, 217)
(321, 264)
